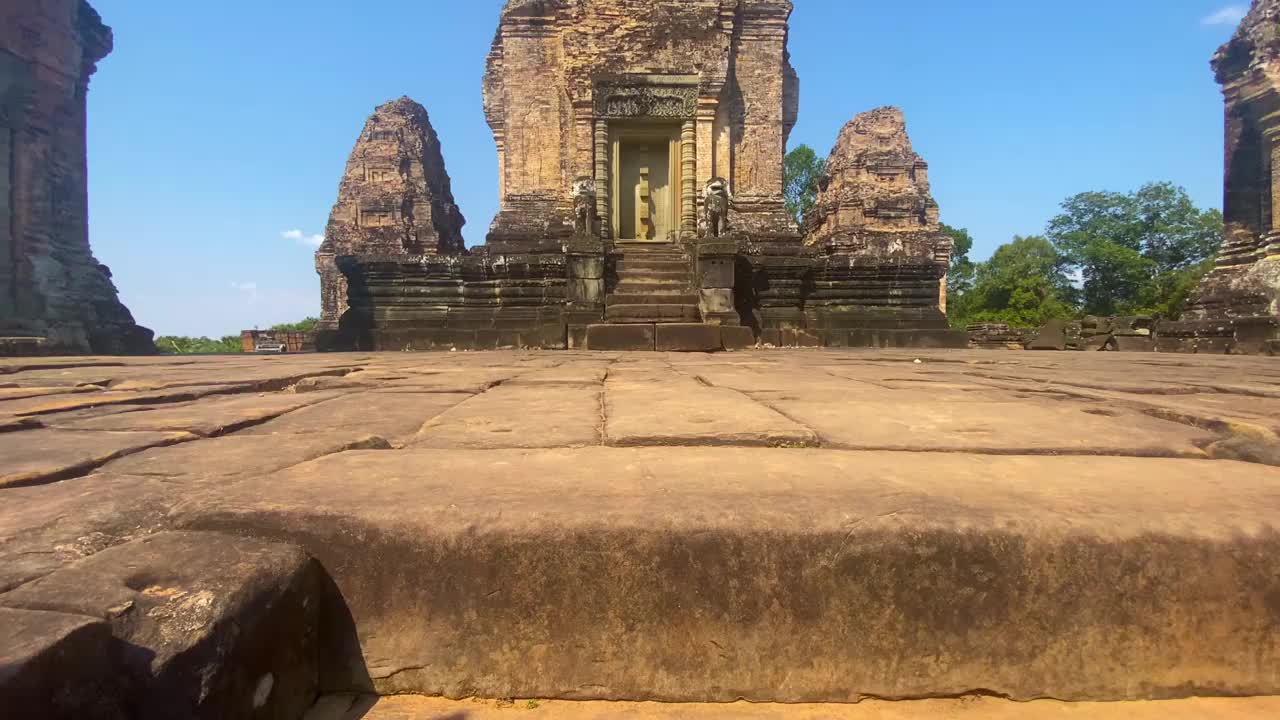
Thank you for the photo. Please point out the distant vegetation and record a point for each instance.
(179, 345)
(176, 345)
(1139, 253)
(1106, 253)
(801, 171)
(306, 325)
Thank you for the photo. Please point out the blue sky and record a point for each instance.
(218, 131)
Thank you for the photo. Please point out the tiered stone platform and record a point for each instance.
(240, 536)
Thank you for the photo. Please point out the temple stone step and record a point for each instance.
(652, 288)
(709, 574)
(654, 255)
(648, 248)
(622, 298)
(677, 276)
(645, 264)
(680, 275)
(641, 313)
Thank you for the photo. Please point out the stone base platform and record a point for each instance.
(669, 337)
(23, 346)
(240, 535)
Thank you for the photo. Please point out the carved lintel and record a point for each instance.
(620, 100)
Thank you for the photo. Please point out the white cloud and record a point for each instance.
(248, 291)
(302, 238)
(1229, 15)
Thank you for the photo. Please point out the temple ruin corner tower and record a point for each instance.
(1236, 309)
(54, 295)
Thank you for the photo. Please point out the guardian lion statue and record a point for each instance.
(716, 206)
(584, 206)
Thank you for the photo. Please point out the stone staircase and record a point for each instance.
(654, 286)
(654, 305)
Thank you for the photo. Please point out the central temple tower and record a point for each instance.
(650, 101)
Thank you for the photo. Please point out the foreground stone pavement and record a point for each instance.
(970, 708)
(236, 536)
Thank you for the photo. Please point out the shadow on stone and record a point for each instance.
(342, 666)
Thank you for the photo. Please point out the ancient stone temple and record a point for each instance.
(1237, 306)
(54, 296)
(395, 202)
(880, 271)
(640, 152)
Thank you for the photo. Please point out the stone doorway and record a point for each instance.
(645, 183)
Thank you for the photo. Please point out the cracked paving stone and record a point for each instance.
(519, 416)
(642, 410)
(29, 457)
(209, 416)
(397, 416)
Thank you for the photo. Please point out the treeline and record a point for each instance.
(182, 345)
(1139, 253)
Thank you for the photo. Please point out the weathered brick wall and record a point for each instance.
(53, 286)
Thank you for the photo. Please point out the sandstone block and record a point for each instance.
(221, 626)
(518, 416)
(737, 337)
(705, 574)
(716, 300)
(621, 337)
(1052, 336)
(675, 411)
(58, 666)
(687, 337)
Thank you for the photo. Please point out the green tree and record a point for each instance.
(180, 345)
(1136, 253)
(306, 325)
(1025, 283)
(801, 171)
(1170, 291)
(960, 275)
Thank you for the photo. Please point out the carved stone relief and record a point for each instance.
(616, 100)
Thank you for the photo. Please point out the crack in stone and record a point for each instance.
(87, 467)
(818, 440)
(272, 386)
